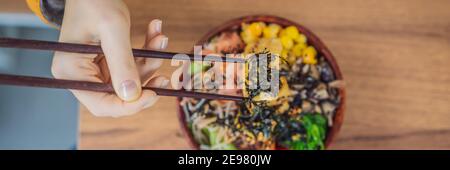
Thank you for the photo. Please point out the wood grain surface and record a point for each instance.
(394, 55)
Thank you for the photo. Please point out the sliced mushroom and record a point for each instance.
(305, 69)
(337, 84)
(321, 94)
(314, 72)
(307, 106)
(328, 109)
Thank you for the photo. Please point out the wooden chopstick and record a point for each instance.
(99, 87)
(95, 49)
(102, 87)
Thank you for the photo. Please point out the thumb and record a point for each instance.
(116, 45)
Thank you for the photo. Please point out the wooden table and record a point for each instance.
(394, 56)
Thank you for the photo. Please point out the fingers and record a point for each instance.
(109, 105)
(148, 66)
(154, 29)
(158, 42)
(116, 45)
(106, 23)
(99, 104)
(157, 81)
(102, 105)
(74, 66)
(155, 40)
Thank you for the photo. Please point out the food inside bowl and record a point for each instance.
(299, 117)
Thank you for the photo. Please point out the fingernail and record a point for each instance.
(129, 90)
(158, 25)
(164, 43)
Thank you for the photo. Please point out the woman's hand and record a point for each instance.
(107, 22)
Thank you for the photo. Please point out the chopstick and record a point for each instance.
(95, 49)
(102, 87)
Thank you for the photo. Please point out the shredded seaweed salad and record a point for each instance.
(297, 118)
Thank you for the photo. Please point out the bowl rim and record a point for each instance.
(312, 40)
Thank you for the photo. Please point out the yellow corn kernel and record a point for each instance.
(297, 50)
(301, 39)
(288, 57)
(310, 51)
(309, 55)
(256, 28)
(310, 60)
(287, 42)
(247, 37)
(271, 31)
(262, 24)
(292, 32)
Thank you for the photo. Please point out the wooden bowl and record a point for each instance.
(313, 40)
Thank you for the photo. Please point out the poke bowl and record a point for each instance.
(307, 113)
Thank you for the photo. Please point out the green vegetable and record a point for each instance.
(297, 145)
(197, 67)
(214, 142)
(315, 126)
(213, 137)
(211, 133)
(229, 147)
